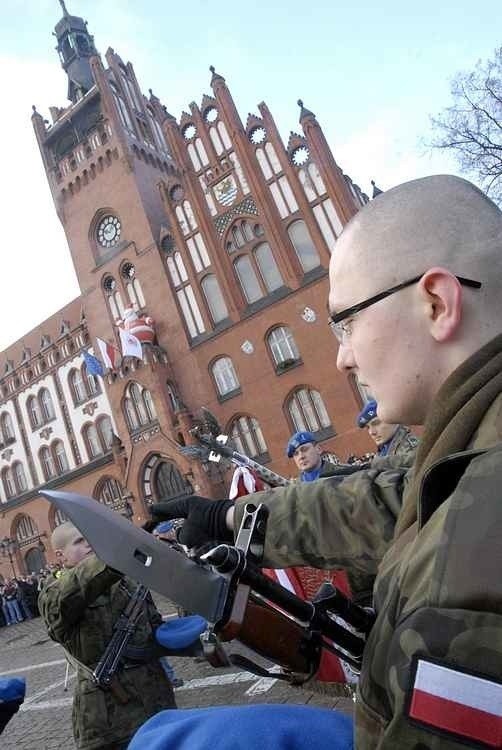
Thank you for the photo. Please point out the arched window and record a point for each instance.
(214, 298)
(307, 411)
(78, 390)
(105, 432)
(8, 483)
(247, 436)
(26, 528)
(19, 476)
(46, 405)
(34, 413)
(304, 247)
(7, 428)
(60, 458)
(47, 461)
(138, 407)
(268, 267)
(92, 441)
(248, 279)
(91, 382)
(225, 376)
(111, 493)
(59, 517)
(283, 346)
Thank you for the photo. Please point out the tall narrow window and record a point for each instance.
(60, 457)
(138, 407)
(248, 279)
(268, 267)
(92, 441)
(46, 405)
(304, 247)
(282, 345)
(214, 298)
(8, 483)
(47, 461)
(105, 431)
(34, 414)
(77, 387)
(225, 376)
(307, 411)
(19, 477)
(26, 528)
(247, 436)
(7, 428)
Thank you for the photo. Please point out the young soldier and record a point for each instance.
(432, 307)
(80, 609)
(390, 439)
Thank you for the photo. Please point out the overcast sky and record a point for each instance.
(372, 73)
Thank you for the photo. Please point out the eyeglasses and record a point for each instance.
(342, 330)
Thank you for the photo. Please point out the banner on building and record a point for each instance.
(131, 346)
(93, 364)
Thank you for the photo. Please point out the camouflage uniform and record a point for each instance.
(403, 445)
(438, 592)
(80, 609)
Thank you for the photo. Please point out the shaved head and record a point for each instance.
(440, 220)
(69, 544)
(406, 345)
(63, 535)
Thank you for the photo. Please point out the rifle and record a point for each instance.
(123, 631)
(219, 448)
(230, 591)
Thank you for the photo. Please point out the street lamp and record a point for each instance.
(8, 548)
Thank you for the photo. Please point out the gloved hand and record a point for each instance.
(205, 519)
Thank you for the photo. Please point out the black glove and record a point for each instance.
(205, 519)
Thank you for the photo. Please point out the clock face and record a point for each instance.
(108, 231)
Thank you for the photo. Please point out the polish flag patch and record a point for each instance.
(448, 700)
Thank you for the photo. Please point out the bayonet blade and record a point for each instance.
(137, 554)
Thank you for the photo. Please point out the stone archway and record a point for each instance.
(162, 480)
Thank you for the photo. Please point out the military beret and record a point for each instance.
(299, 438)
(367, 414)
(164, 527)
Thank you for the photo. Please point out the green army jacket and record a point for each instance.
(79, 610)
(438, 592)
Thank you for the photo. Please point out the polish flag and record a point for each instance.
(109, 354)
(458, 703)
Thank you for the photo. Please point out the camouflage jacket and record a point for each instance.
(80, 609)
(438, 592)
(403, 444)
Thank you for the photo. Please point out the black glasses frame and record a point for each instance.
(349, 311)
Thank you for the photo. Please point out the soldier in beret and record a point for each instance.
(391, 439)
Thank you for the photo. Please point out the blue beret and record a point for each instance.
(299, 438)
(164, 527)
(368, 413)
(181, 632)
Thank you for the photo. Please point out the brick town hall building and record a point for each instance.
(221, 234)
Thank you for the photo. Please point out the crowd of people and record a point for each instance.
(19, 595)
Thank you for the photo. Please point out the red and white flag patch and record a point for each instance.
(448, 700)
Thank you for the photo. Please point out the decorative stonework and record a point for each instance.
(309, 315)
(146, 435)
(45, 433)
(247, 206)
(7, 454)
(90, 408)
(247, 347)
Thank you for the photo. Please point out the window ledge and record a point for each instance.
(287, 365)
(324, 433)
(229, 394)
(263, 302)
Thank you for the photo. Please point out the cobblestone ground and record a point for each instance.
(44, 722)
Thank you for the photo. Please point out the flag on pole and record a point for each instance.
(93, 364)
(131, 346)
(110, 354)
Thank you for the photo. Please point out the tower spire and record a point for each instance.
(76, 47)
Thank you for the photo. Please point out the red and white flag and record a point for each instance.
(461, 704)
(131, 346)
(109, 354)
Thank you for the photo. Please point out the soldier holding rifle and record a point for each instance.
(80, 610)
(415, 280)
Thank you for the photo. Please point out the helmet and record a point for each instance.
(299, 438)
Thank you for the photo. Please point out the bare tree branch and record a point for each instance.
(471, 127)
